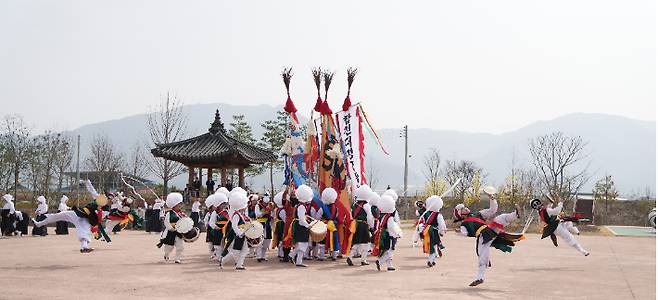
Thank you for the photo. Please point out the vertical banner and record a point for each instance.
(332, 173)
(351, 134)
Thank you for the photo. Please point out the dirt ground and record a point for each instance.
(132, 268)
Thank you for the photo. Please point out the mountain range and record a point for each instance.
(622, 147)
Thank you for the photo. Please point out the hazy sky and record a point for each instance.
(489, 66)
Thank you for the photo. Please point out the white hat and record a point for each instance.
(8, 198)
(266, 198)
(434, 203)
(304, 193)
(362, 193)
(238, 189)
(329, 196)
(222, 190)
(392, 193)
(64, 199)
(278, 199)
(220, 199)
(210, 200)
(374, 199)
(130, 200)
(386, 204)
(253, 197)
(237, 201)
(173, 199)
(41, 199)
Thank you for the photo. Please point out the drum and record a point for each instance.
(318, 231)
(185, 226)
(254, 233)
(652, 218)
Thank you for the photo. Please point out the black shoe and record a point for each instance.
(489, 266)
(365, 263)
(390, 269)
(333, 259)
(349, 262)
(301, 266)
(433, 263)
(240, 268)
(378, 267)
(477, 282)
(440, 253)
(429, 264)
(259, 259)
(159, 245)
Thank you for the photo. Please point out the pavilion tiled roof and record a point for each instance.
(213, 147)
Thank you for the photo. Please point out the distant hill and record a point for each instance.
(623, 147)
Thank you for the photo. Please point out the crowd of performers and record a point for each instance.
(296, 227)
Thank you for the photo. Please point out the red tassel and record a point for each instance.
(347, 104)
(325, 108)
(318, 105)
(290, 107)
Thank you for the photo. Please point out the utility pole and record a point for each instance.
(405, 134)
(77, 174)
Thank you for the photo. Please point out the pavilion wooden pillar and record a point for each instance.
(190, 175)
(209, 178)
(223, 177)
(241, 177)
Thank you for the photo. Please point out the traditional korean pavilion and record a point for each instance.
(214, 150)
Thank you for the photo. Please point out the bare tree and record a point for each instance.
(470, 174)
(136, 161)
(17, 137)
(63, 160)
(555, 157)
(104, 159)
(372, 173)
(166, 123)
(432, 172)
(604, 189)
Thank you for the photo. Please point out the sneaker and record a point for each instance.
(240, 268)
(587, 254)
(377, 264)
(390, 269)
(349, 262)
(477, 282)
(178, 261)
(365, 263)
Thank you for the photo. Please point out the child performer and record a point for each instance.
(279, 218)
(433, 226)
(237, 248)
(300, 225)
(218, 223)
(387, 232)
(170, 237)
(263, 214)
(362, 221)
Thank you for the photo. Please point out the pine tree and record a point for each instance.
(241, 131)
(273, 138)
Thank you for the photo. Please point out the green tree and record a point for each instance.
(273, 138)
(605, 190)
(241, 131)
